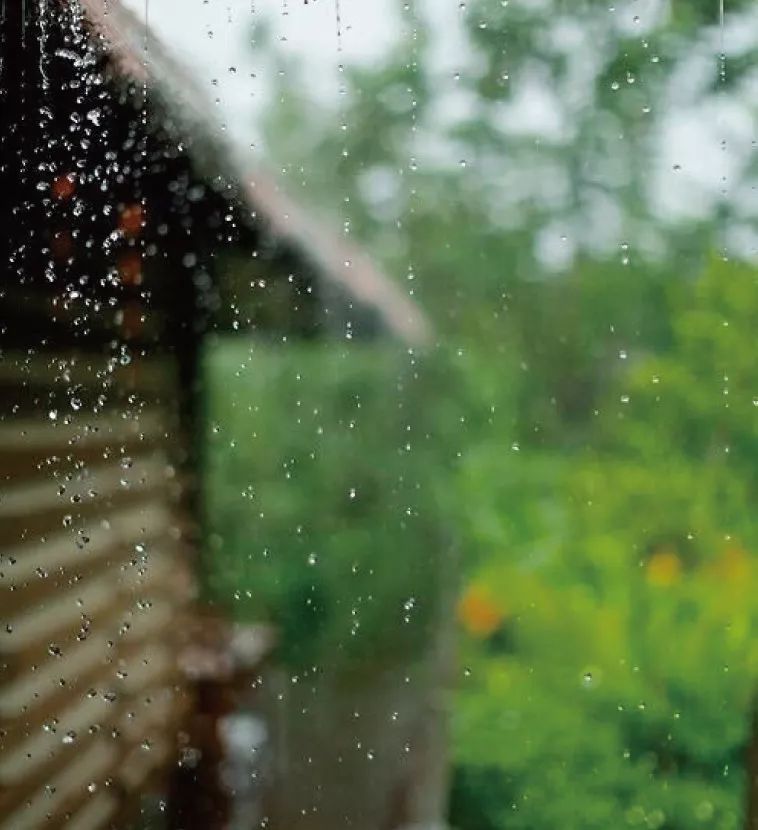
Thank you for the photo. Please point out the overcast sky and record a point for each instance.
(705, 141)
(216, 39)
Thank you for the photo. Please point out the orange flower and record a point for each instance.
(664, 568)
(733, 565)
(478, 612)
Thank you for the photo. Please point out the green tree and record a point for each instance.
(476, 229)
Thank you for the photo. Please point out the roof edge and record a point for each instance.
(136, 53)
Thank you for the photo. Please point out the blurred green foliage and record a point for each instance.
(586, 436)
(327, 497)
(611, 628)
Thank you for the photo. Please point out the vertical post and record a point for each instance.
(20, 89)
(751, 768)
(428, 797)
(11, 104)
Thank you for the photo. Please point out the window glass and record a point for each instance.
(379, 414)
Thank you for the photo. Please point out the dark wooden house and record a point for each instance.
(119, 197)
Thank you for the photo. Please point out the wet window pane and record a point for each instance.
(379, 415)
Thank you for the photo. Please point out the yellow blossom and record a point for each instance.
(733, 565)
(664, 568)
(478, 612)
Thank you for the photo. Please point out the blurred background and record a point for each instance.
(537, 532)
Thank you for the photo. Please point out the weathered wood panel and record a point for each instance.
(94, 580)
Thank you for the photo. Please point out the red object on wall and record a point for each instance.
(131, 220)
(130, 267)
(64, 186)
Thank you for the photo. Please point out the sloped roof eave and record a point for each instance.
(137, 54)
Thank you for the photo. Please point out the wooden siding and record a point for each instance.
(94, 581)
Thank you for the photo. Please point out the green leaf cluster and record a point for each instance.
(614, 680)
(325, 489)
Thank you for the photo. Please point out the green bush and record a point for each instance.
(611, 621)
(325, 482)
